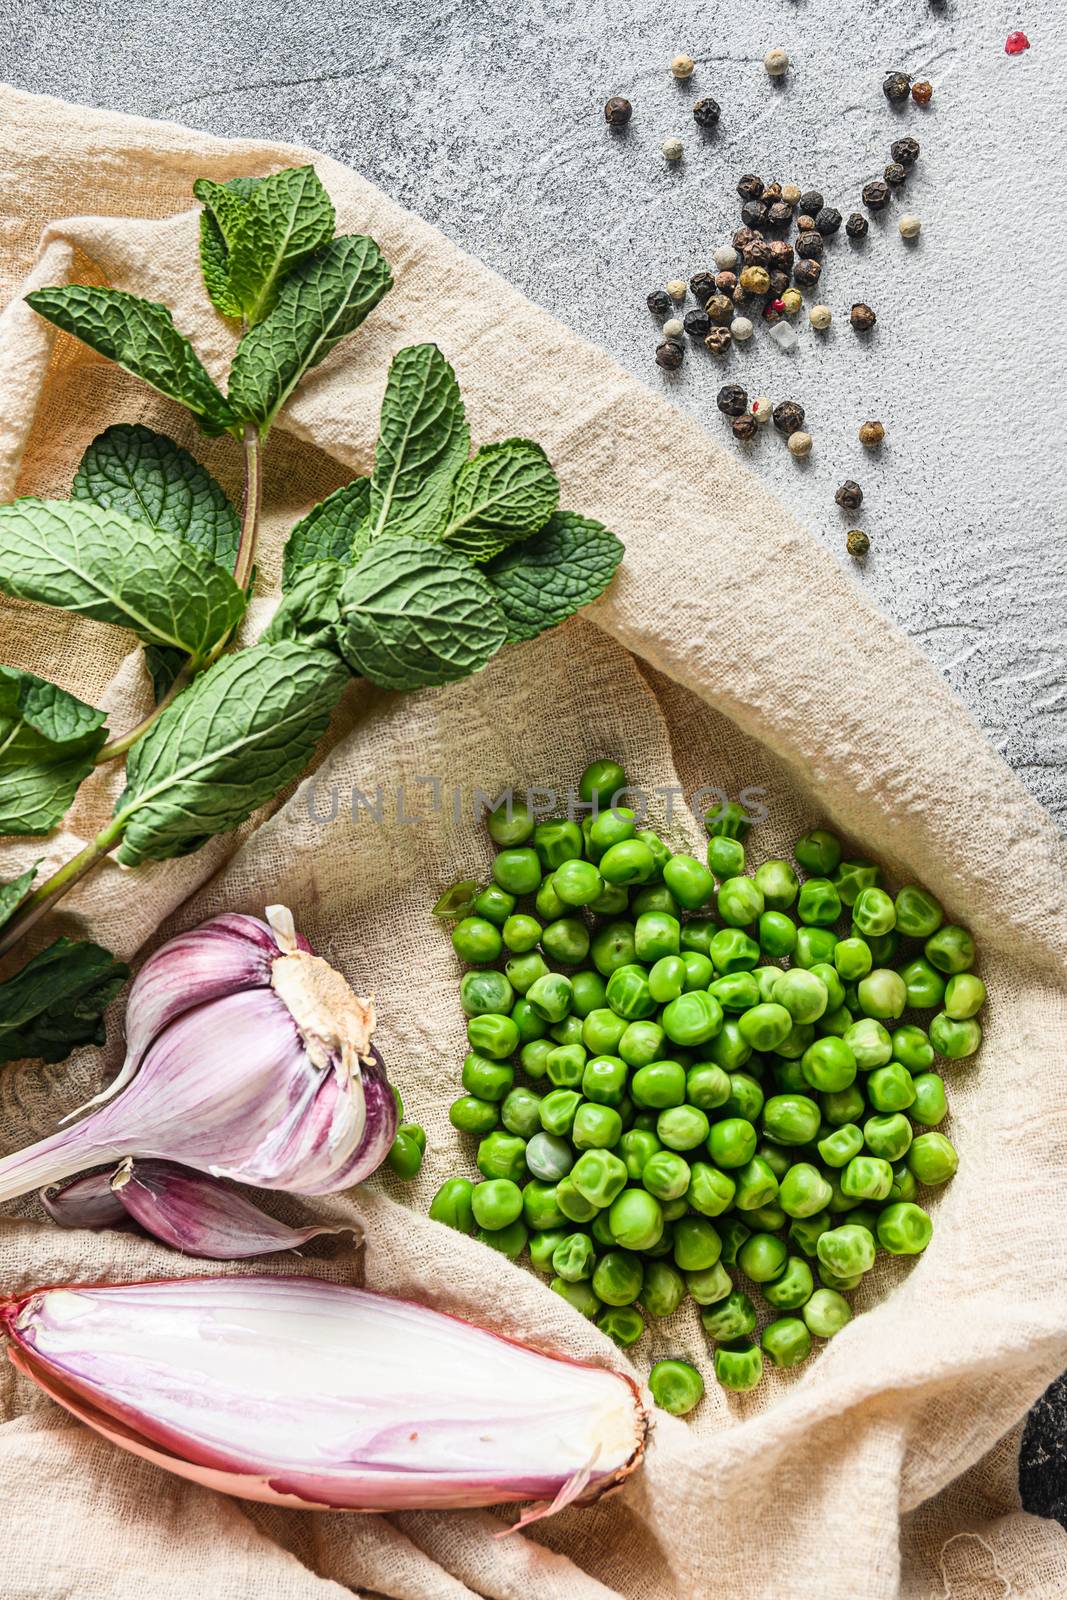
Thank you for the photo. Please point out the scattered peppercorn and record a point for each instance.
(757, 253)
(617, 111)
(862, 317)
(791, 193)
(672, 149)
(739, 297)
(910, 225)
(827, 220)
(791, 301)
(857, 225)
(676, 288)
(673, 328)
(682, 66)
(922, 92)
(659, 302)
(871, 434)
(812, 202)
(876, 195)
(669, 355)
(779, 283)
(850, 495)
(762, 409)
(745, 236)
(895, 174)
(744, 428)
(799, 443)
(780, 253)
(718, 341)
(755, 280)
(725, 283)
(772, 192)
(732, 400)
(857, 543)
(820, 318)
(702, 285)
(754, 214)
(810, 245)
(777, 62)
(906, 151)
(805, 223)
(788, 416)
(779, 215)
(806, 274)
(741, 329)
(719, 308)
(725, 257)
(896, 85)
(706, 112)
(749, 187)
(1016, 43)
(697, 323)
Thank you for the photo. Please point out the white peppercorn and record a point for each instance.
(741, 328)
(820, 317)
(799, 443)
(725, 258)
(777, 62)
(676, 288)
(682, 66)
(672, 149)
(762, 409)
(673, 328)
(791, 193)
(910, 226)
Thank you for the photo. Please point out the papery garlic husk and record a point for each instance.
(248, 1058)
(195, 1213)
(315, 1395)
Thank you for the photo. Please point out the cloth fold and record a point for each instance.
(732, 651)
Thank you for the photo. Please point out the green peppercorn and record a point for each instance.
(857, 543)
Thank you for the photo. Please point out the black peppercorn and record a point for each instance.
(697, 323)
(718, 341)
(850, 495)
(779, 282)
(659, 302)
(896, 85)
(806, 273)
(617, 111)
(805, 224)
(857, 543)
(906, 151)
(754, 214)
(781, 255)
(779, 215)
(706, 112)
(757, 253)
(876, 195)
(702, 285)
(809, 244)
(725, 282)
(745, 236)
(740, 297)
(862, 317)
(788, 416)
(895, 174)
(812, 202)
(857, 225)
(750, 187)
(828, 220)
(772, 192)
(744, 428)
(732, 400)
(669, 354)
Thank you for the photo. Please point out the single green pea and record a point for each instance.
(655, 897)
(556, 841)
(618, 1278)
(579, 1295)
(853, 959)
(452, 1205)
(666, 1175)
(814, 947)
(641, 1043)
(791, 1119)
(676, 1387)
(697, 934)
(912, 1048)
(540, 1206)
(511, 823)
(566, 940)
(471, 1114)
(531, 1027)
(884, 947)
(732, 1317)
(904, 1184)
(954, 1040)
(873, 913)
(840, 1283)
(777, 1158)
(746, 1097)
(550, 996)
(542, 1246)
(518, 870)
(918, 913)
(549, 1156)
(698, 968)
(613, 947)
(766, 980)
(576, 883)
(727, 819)
(622, 1324)
(765, 1026)
(615, 825)
(839, 1202)
(738, 1365)
(756, 1185)
(890, 1088)
(588, 993)
(595, 1127)
(805, 1232)
(846, 1250)
(803, 1191)
(904, 1229)
(710, 1191)
(523, 971)
(739, 902)
(925, 985)
(661, 853)
(601, 782)
(829, 1064)
(602, 1031)
(728, 1049)
(932, 1159)
(690, 882)
(726, 857)
(777, 934)
(965, 995)
(818, 904)
(612, 901)
(502, 1155)
(802, 993)
(709, 1285)
(604, 1080)
(692, 1018)
(636, 1219)
(574, 1258)
(732, 1142)
(763, 1257)
(888, 1136)
(636, 1148)
(732, 951)
(818, 852)
(830, 978)
(869, 1042)
(882, 993)
(836, 1022)
(930, 1105)
(697, 1244)
(510, 1241)
(867, 1178)
(663, 1289)
(793, 1289)
(789, 1077)
(659, 1085)
(534, 1055)
(627, 862)
(733, 1233)
(494, 904)
(576, 1207)
(496, 1203)
(797, 1041)
(787, 1341)
(656, 934)
(521, 1113)
(777, 883)
(565, 1065)
(826, 1313)
(489, 1080)
(852, 877)
(600, 1232)
(736, 992)
(682, 1127)
(558, 1111)
(950, 950)
(477, 940)
(569, 1031)
(666, 980)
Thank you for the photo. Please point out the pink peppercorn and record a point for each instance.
(1016, 43)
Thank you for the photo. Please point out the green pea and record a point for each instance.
(853, 959)
(477, 940)
(884, 947)
(547, 902)
(693, 1018)
(540, 1205)
(763, 1257)
(511, 823)
(728, 819)
(549, 1156)
(766, 981)
(803, 1191)
(489, 1080)
(698, 933)
(595, 1127)
(789, 1077)
(602, 1031)
(950, 950)
(517, 870)
(691, 883)
(818, 852)
(604, 1080)
(613, 947)
(641, 1043)
(661, 853)
(601, 781)
(502, 1155)
(556, 841)
(787, 1341)
(610, 827)
(618, 1278)
(709, 1285)
(870, 1043)
(588, 993)
(622, 1324)
(534, 1055)
(867, 1178)
(965, 995)
(777, 934)
(765, 1026)
(576, 883)
(730, 1318)
(840, 1283)
(803, 994)
(805, 1232)
(521, 1113)
(882, 993)
(836, 1022)
(888, 1136)
(924, 984)
(745, 1099)
(558, 1111)
(710, 1191)
(890, 1088)
(732, 1142)
(954, 1040)
(550, 996)
(452, 1205)
(791, 1119)
(932, 1159)
(729, 1049)
(912, 1048)
(777, 883)
(733, 1233)
(698, 968)
(628, 862)
(666, 981)
(818, 904)
(542, 1246)
(469, 1114)
(656, 934)
(852, 877)
(655, 897)
(676, 1387)
(666, 1175)
(510, 1241)
(756, 1185)
(814, 947)
(829, 1064)
(778, 1159)
(682, 1127)
(565, 1065)
(826, 1313)
(873, 913)
(918, 913)
(457, 900)
(579, 1295)
(839, 1202)
(904, 1184)
(663, 1289)
(636, 1148)
(566, 941)
(576, 1206)
(494, 904)
(524, 971)
(601, 1233)
(697, 1245)
(739, 902)
(846, 1250)
(707, 1086)
(732, 951)
(930, 1105)
(659, 1085)
(531, 1027)
(793, 1289)
(636, 1219)
(574, 1258)
(496, 1203)
(904, 1229)
(726, 857)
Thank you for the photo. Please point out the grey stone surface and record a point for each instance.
(486, 119)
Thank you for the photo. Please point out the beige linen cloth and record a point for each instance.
(732, 651)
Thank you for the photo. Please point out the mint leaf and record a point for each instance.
(328, 532)
(237, 735)
(287, 216)
(141, 337)
(414, 613)
(47, 743)
(14, 893)
(551, 576)
(309, 612)
(76, 555)
(423, 442)
(151, 479)
(226, 205)
(223, 210)
(318, 304)
(57, 1001)
(504, 493)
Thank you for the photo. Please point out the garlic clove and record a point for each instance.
(88, 1202)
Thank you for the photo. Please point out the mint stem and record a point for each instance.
(38, 904)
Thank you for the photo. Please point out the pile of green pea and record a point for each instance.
(689, 1103)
